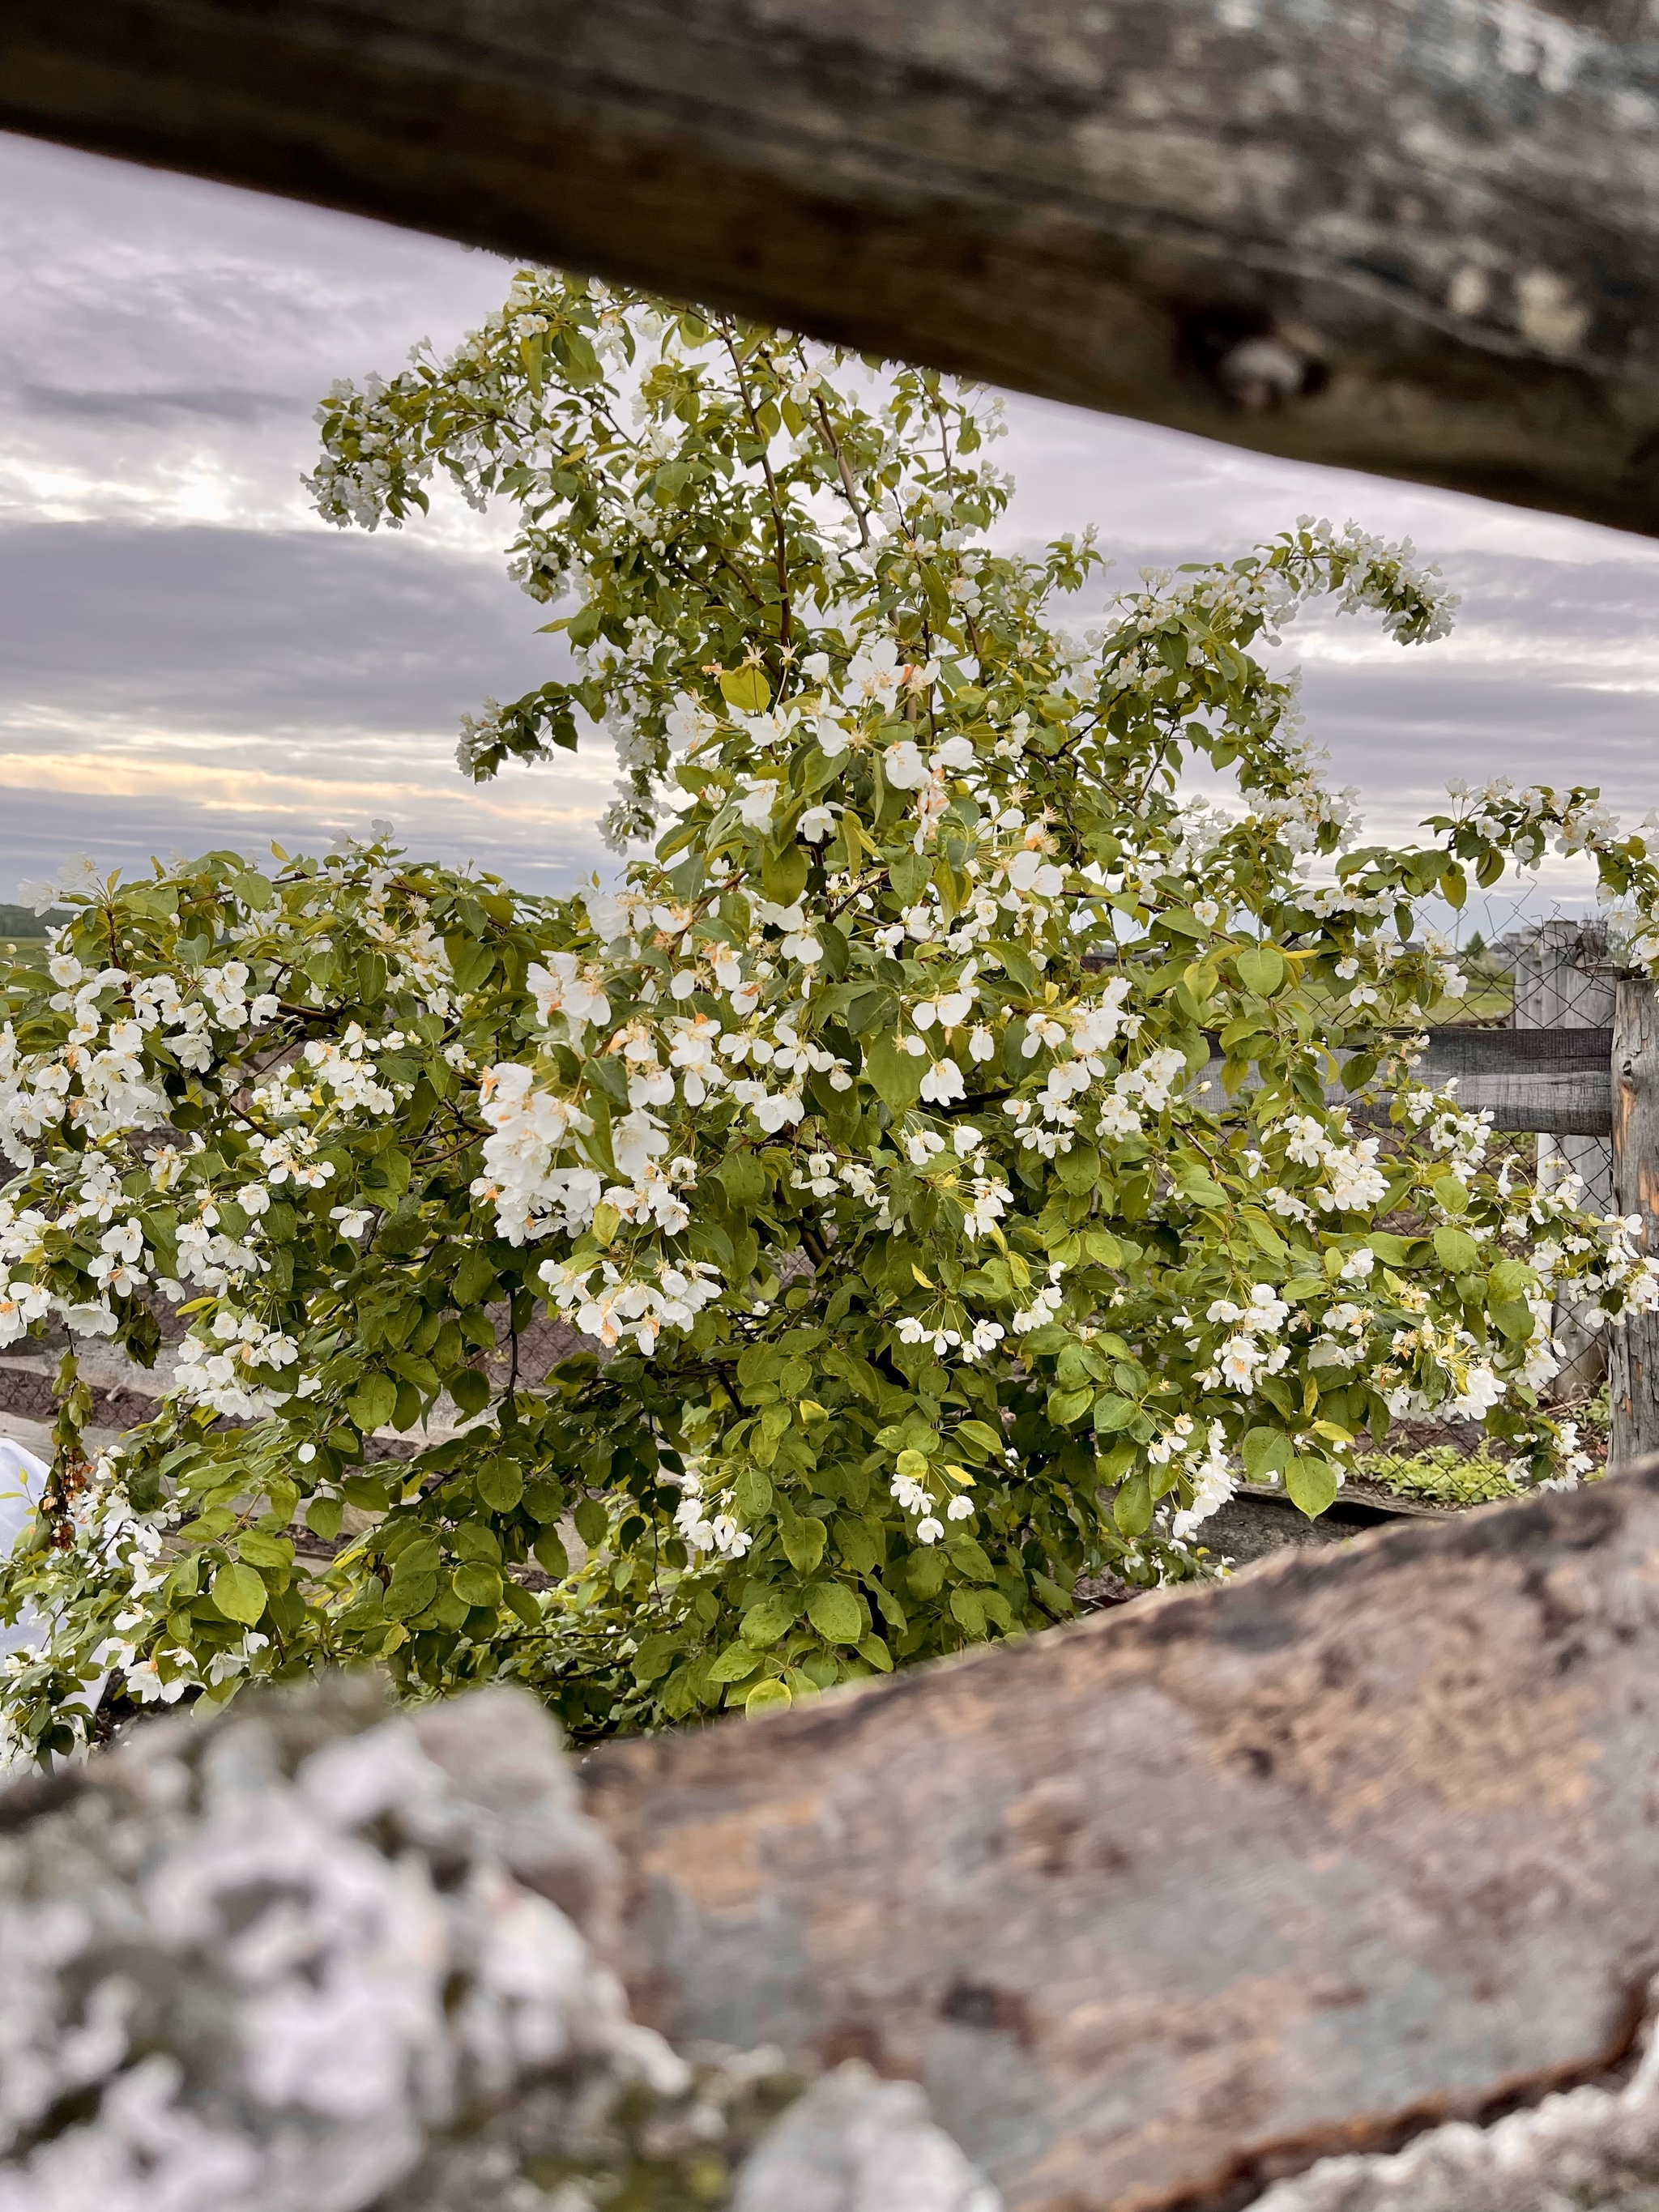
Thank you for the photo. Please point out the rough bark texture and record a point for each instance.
(1418, 240)
(1635, 1361)
(307, 1956)
(1588, 2150)
(1162, 1905)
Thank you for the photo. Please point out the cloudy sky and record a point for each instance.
(190, 657)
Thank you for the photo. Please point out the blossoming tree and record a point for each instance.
(863, 1132)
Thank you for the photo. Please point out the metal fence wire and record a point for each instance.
(1557, 972)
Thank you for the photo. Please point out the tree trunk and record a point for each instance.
(1418, 240)
(1635, 1360)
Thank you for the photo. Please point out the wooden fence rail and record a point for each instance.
(1200, 1890)
(1418, 240)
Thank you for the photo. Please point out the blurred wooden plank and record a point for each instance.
(1557, 1082)
(1420, 241)
(1204, 1887)
(1635, 1359)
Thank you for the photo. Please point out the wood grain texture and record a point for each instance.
(1419, 240)
(1206, 1885)
(1551, 1081)
(1634, 1373)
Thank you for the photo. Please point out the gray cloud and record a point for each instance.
(190, 657)
(248, 630)
(155, 409)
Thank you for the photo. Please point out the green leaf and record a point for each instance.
(967, 1557)
(753, 1493)
(477, 1584)
(1079, 1169)
(968, 1607)
(1266, 1452)
(240, 1594)
(783, 875)
(803, 1543)
(1196, 1184)
(835, 1613)
(1452, 1194)
(768, 1698)
(1512, 1318)
(473, 1281)
(1261, 970)
(1132, 1508)
(261, 1550)
(734, 1664)
(746, 690)
(896, 1075)
(470, 1388)
(323, 1516)
(1113, 1413)
(1311, 1485)
(653, 1659)
(373, 1402)
(1396, 1251)
(544, 1501)
(1508, 1279)
(872, 1648)
(1065, 1406)
(742, 1177)
(500, 1484)
(1456, 1249)
(254, 891)
(593, 1522)
(408, 1595)
(550, 1555)
(979, 1438)
(768, 1619)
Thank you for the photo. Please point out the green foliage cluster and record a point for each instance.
(1442, 1475)
(941, 1139)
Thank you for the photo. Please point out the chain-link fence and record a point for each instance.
(1552, 968)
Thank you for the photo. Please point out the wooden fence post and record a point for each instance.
(1635, 1349)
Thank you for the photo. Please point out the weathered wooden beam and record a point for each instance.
(1635, 1363)
(1420, 240)
(1182, 1897)
(1555, 1081)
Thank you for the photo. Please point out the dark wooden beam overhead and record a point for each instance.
(1418, 240)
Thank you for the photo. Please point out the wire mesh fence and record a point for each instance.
(1554, 969)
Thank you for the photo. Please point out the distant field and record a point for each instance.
(23, 932)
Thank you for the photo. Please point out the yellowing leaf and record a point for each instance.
(746, 690)
(768, 1698)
